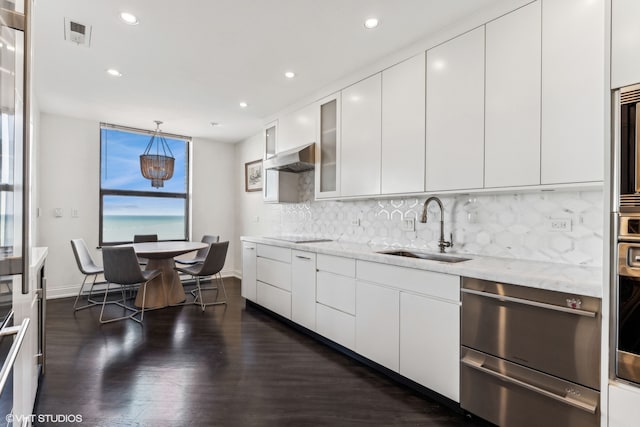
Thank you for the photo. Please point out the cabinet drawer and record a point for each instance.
(273, 272)
(437, 285)
(336, 325)
(336, 291)
(274, 252)
(337, 265)
(275, 299)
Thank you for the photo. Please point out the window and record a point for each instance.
(128, 203)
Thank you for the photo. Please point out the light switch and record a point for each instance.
(408, 224)
(74, 212)
(57, 212)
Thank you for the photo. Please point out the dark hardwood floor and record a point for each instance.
(228, 366)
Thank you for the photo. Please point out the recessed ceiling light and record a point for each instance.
(289, 74)
(244, 104)
(113, 72)
(129, 18)
(371, 23)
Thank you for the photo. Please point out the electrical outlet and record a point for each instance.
(408, 224)
(355, 222)
(559, 224)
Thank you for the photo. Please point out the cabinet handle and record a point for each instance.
(303, 257)
(20, 331)
(590, 408)
(505, 298)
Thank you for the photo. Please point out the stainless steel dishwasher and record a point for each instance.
(529, 357)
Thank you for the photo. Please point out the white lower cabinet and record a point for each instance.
(336, 299)
(336, 325)
(430, 343)
(303, 289)
(275, 299)
(405, 319)
(248, 289)
(624, 405)
(273, 279)
(378, 324)
(423, 308)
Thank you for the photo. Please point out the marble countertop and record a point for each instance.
(38, 255)
(568, 278)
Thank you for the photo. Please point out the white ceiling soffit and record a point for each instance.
(191, 63)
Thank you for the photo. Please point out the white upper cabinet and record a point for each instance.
(455, 113)
(403, 127)
(297, 128)
(361, 138)
(270, 139)
(625, 43)
(512, 133)
(573, 91)
(327, 172)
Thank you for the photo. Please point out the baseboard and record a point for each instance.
(72, 290)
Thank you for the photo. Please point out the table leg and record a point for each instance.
(163, 290)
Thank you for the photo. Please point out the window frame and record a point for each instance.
(146, 193)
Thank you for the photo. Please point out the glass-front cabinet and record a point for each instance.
(327, 179)
(270, 133)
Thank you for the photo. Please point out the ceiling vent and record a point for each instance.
(77, 33)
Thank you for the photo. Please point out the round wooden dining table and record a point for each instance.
(166, 289)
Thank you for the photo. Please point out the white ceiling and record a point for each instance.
(190, 63)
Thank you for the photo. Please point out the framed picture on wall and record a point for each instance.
(253, 176)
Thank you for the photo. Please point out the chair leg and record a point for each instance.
(104, 303)
(90, 301)
(144, 299)
(218, 278)
(75, 304)
(224, 290)
(202, 304)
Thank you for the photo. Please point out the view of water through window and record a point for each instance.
(129, 203)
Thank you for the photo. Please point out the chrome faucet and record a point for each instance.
(441, 243)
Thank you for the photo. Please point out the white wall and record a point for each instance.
(68, 178)
(213, 183)
(253, 216)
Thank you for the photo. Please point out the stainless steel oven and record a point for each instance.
(628, 311)
(628, 149)
(626, 240)
(529, 357)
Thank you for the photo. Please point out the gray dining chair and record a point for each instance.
(144, 238)
(201, 253)
(88, 267)
(209, 267)
(121, 268)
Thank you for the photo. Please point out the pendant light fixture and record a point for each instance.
(157, 165)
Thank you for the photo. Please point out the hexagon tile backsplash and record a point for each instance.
(522, 226)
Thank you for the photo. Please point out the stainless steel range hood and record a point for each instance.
(296, 160)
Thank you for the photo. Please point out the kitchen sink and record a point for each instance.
(422, 255)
